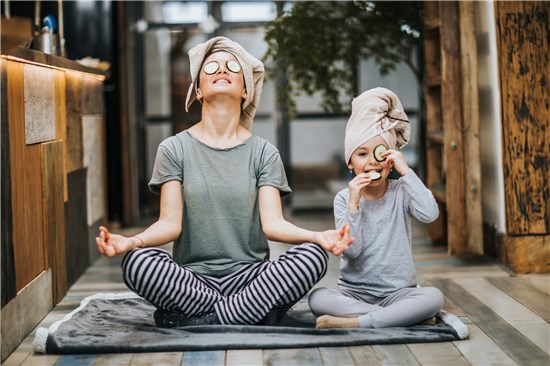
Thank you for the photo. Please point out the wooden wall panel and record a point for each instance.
(92, 134)
(29, 251)
(76, 227)
(21, 315)
(61, 123)
(74, 121)
(8, 265)
(92, 96)
(54, 215)
(452, 120)
(39, 104)
(524, 77)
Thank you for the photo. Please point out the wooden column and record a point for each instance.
(523, 36)
(470, 129)
(452, 125)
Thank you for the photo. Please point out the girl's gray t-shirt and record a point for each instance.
(221, 228)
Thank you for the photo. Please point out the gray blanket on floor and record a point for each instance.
(123, 323)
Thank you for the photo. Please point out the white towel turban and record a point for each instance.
(376, 112)
(253, 71)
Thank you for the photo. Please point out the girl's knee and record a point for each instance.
(434, 298)
(319, 299)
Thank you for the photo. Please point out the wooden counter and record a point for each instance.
(53, 183)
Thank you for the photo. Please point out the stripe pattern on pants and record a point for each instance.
(243, 297)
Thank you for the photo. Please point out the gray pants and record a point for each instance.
(404, 307)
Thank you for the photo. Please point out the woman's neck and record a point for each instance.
(220, 127)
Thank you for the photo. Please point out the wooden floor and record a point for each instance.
(507, 316)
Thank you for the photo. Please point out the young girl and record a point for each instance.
(377, 287)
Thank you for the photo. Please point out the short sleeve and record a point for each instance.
(168, 164)
(271, 171)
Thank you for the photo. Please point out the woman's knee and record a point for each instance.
(135, 262)
(316, 256)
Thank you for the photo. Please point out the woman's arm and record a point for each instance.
(276, 228)
(166, 229)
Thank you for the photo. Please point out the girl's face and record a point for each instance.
(363, 161)
(226, 79)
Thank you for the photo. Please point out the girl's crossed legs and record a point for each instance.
(404, 307)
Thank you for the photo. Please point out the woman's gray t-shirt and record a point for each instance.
(221, 228)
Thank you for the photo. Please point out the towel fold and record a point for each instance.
(253, 71)
(376, 112)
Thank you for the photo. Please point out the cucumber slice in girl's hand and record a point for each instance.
(378, 150)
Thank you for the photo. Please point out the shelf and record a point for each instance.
(27, 55)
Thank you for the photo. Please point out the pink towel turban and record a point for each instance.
(253, 71)
(376, 112)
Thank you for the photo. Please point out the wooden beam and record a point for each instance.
(452, 124)
(471, 146)
(524, 69)
(525, 254)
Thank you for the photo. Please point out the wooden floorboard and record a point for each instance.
(518, 347)
(437, 354)
(501, 312)
(528, 295)
(336, 356)
(480, 349)
(514, 313)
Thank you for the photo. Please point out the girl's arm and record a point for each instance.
(343, 216)
(276, 228)
(422, 204)
(166, 229)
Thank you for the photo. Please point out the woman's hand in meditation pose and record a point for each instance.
(111, 245)
(334, 241)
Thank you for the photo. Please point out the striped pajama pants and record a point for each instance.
(243, 297)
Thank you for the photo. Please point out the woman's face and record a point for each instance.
(227, 79)
(363, 161)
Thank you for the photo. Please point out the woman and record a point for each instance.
(220, 200)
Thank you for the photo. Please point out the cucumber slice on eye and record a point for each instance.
(378, 150)
(375, 175)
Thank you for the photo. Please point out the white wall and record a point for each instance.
(492, 175)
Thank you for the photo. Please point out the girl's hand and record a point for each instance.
(111, 245)
(355, 186)
(395, 158)
(334, 241)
